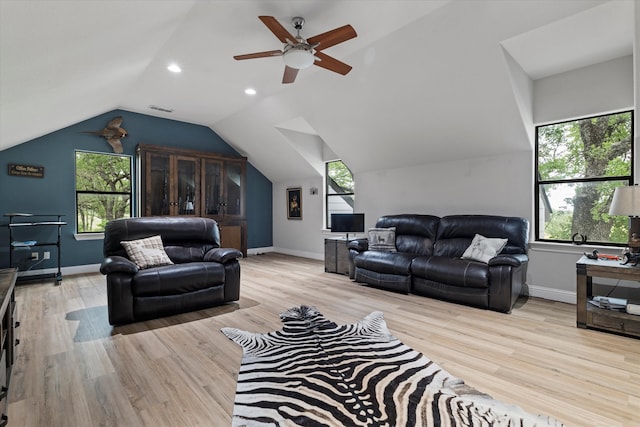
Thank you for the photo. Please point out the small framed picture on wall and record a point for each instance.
(294, 203)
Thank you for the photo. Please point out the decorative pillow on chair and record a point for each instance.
(483, 249)
(382, 239)
(147, 252)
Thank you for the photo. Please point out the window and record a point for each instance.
(579, 163)
(339, 189)
(103, 190)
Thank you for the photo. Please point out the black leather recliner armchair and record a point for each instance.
(203, 274)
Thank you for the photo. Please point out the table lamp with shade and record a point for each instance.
(626, 202)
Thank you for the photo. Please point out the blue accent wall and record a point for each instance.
(55, 193)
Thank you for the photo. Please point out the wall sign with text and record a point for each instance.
(26, 170)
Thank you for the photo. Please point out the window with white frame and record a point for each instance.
(339, 189)
(579, 163)
(103, 190)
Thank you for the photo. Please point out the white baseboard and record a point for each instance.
(260, 251)
(552, 294)
(75, 269)
(302, 254)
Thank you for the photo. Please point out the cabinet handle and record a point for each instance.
(4, 420)
(16, 324)
(3, 392)
(17, 342)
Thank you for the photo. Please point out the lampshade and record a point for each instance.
(299, 58)
(626, 201)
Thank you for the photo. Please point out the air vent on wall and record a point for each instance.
(164, 110)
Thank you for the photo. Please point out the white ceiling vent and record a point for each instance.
(164, 110)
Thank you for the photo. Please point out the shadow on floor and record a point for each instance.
(521, 301)
(94, 321)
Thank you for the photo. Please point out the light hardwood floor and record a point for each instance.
(74, 369)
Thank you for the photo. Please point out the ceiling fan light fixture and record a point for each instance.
(299, 53)
(298, 57)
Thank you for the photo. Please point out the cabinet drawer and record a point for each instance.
(4, 392)
(330, 256)
(231, 236)
(342, 255)
(624, 324)
(14, 337)
(3, 369)
(4, 388)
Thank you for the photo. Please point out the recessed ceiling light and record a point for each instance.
(250, 91)
(174, 68)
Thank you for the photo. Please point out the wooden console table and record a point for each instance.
(8, 336)
(590, 316)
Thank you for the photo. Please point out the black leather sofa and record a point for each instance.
(428, 259)
(202, 274)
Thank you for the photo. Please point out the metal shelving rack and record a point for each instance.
(14, 244)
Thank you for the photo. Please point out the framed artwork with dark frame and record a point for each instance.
(294, 203)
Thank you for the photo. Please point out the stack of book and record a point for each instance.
(609, 303)
(621, 304)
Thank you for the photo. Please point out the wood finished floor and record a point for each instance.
(74, 369)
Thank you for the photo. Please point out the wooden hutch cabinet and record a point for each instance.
(195, 183)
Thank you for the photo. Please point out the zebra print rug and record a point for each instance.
(314, 372)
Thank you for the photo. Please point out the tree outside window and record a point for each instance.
(579, 164)
(339, 189)
(103, 190)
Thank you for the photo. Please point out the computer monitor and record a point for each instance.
(347, 223)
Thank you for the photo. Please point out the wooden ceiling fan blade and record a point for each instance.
(333, 37)
(331, 63)
(266, 54)
(290, 74)
(277, 29)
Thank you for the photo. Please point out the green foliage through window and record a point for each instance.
(103, 190)
(579, 164)
(339, 189)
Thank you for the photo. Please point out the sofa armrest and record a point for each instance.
(222, 255)
(514, 260)
(359, 245)
(118, 264)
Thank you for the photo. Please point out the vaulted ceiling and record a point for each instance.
(432, 80)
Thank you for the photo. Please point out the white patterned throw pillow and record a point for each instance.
(382, 239)
(483, 249)
(147, 252)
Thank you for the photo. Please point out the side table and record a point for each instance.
(590, 316)
(336, 256)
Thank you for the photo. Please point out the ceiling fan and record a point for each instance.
(299, 53)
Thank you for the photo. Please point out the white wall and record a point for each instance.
(481, 186)
(478, 186)
(501, 185)
(301, 237)
(597, 89)
(494, 186)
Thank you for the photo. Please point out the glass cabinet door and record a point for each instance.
(186, 190)
(212, 182)
(158, 181)
(233, 189)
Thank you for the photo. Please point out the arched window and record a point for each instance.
(339, 190)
